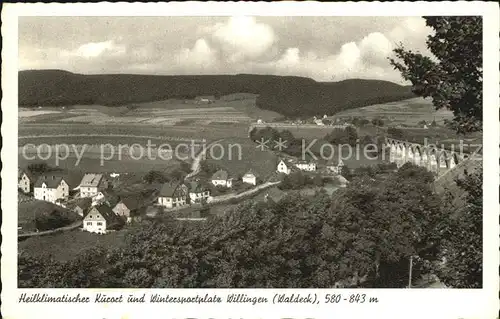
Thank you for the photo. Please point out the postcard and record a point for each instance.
(250, 160)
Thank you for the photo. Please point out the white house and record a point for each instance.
(306, 166)
(25, 181)
(99, 219)
(197, 192)
(283, 167)
(249, 178)
(50, 188)
(335, 165)
(92, 184)
(128, 208)
(173, 195)
(221, 178)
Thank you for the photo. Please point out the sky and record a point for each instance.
(322, 48)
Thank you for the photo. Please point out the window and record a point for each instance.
(89, 223)
(90, 216)
(99, 223)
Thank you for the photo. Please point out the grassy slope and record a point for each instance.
(410, 112)
(29, 210)
(67, 245)
(292, 96)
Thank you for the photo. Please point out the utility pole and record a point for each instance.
(411, 268)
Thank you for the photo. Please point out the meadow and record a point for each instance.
(68, 245)
(28, 211)
(408, 112)
(239, 155)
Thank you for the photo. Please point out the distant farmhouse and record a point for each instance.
(128, 208)
(81, 205)
(25, 180)
(50, 188)
(205, 99)
(308, 166)
(198, 192)
(173, 195)
(335, 165)
(99, 219)
(283, 167)
(92, 184)
(250, 178)
(221, 178)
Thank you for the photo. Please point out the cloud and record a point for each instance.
(96, 49)
(243, 38)
(323, 48)
(201, 56)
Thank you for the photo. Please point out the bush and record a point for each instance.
(395, 132)
(53, 220)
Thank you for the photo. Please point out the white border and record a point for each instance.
(409, 303)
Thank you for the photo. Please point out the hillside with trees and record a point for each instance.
(362, 236)
(288, 95)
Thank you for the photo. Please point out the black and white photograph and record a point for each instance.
(248, 151)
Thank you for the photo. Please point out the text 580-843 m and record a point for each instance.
(351, 298)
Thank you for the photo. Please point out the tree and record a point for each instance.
(377, 121)
(455, 80)
(346, 172)
(462, 245)
(155, 177)
(396, 133)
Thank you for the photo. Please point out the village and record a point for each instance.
(101, 210)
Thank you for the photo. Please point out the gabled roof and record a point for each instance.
(220, 175)
(91, 180)
(21, 171)
(105, 212)
(334, 162)
(52, 181)
(132, 202)
(83, 203)
(305, 162)
(169, 189)
(250, 173)
(196, 187)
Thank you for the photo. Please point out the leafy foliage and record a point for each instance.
(462, 245)
(455, 80)
(362, 238)
(396, 133)
(339, 136)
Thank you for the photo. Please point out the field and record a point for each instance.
(29, 210)
(170, 112)
(408, 112)
(238, 155)
(67, 245)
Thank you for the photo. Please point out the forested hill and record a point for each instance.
(288, 95)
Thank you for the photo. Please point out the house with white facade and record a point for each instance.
(221, 178)
(283, 167)
(198, 192)
(335, 165)
(81, 206)
(99, 219)
(25, 181)
(92, 184)
(51, 188)
(128, 207)
(250, 178)
(308, 166)
(173, 195)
